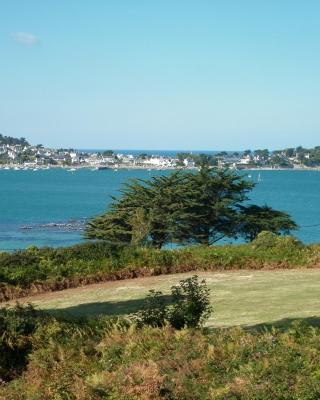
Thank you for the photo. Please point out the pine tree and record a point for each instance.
(185, 207)
(255, 219)
(213, 198)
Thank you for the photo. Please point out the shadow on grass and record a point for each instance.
(107, 308)
(284, 324)
(123, 308)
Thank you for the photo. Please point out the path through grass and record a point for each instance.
(239, 297)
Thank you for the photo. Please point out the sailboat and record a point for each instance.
(259, 178)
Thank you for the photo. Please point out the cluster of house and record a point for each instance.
(37, 156)
(11, 151)
(27, 156)
(274, 159)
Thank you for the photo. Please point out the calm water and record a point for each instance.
(31, 199)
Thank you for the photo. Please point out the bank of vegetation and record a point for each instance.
(36, 270)
(45, 358)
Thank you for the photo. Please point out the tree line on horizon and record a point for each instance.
(11, 141)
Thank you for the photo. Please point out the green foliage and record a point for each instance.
(22, 268)
(189, 306)
(104, 359)
(212, 200)
(156, 206)
(198, 207)
(255, 219)
(154, 312)
(48, 269)
(140, 227)
(202, 160)
(17, 325)
(268, 240)
(9, 140)
(108, 153)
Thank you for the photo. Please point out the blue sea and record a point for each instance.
(49, 207)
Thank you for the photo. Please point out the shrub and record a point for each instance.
(111, 359)
(289, 242)
(46, 269)
(265, 240)
(191, 303)
(189, 307)
(268, 240)
(154, 312)
(17, 326)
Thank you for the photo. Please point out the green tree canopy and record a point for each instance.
(9, 140)
(255, 219)
(213, 197)
(198, 207)
(148, 212)
(108, 153)
(182, 207)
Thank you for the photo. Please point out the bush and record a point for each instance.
(37, 270)
(189, 307)
(154, 312)
(268, 240)
(17, 326)
(191, 304)
(99, 361)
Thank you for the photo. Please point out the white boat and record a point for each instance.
(71, 169)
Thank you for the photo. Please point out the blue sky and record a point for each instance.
(166, 74)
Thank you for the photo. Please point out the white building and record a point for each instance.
(245, 160)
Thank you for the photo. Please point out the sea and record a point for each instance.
(50, 207)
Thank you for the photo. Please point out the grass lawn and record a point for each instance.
(239, 297)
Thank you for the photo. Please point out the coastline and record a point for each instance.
(56, 196)
(73, 168)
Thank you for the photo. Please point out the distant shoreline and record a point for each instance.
(73, 168)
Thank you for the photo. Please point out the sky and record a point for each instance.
(166, 74)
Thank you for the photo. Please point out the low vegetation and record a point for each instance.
(115, 359)
(39, 270)
(189, 306)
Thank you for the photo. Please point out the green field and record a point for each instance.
(239, 297)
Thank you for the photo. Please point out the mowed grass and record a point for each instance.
(245, 298)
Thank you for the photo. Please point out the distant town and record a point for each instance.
(19, 154)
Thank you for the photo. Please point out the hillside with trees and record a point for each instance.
(11, 141)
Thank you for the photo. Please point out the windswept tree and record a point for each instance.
(148, 212)
(185, 207)
(255, 219)
(213, 198)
